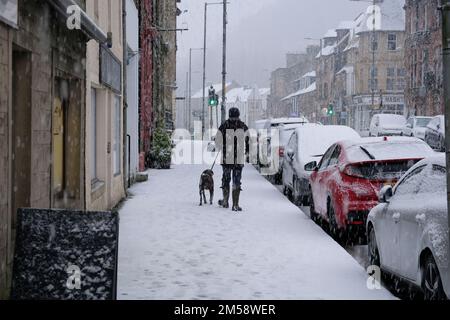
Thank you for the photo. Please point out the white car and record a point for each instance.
(285, 131)
(408, 231)
(435, 133)
(387, 125)
(307, 144)
(267, 149)
(416, 127)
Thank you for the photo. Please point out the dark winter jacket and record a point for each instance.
(233, 139)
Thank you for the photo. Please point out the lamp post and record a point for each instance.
(204, 61)
(190, 85)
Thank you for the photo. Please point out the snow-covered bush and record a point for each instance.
(161, 151)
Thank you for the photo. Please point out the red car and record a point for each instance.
(346, 182)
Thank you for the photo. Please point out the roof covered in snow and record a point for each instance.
(311, 88)
(328, 50)
(217, 87)
(392, 17)
(239, 94)
(345, 25)
(264, 91)
(331, 34)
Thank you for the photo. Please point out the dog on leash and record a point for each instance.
(206, 183)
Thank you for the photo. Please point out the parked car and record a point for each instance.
(285, 132)
(346, 182)
(435, 133)
(416, 127)
(387, 125)
(408, 230)
(308, 143)
(266, 151)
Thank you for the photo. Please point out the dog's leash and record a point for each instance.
(215, 160)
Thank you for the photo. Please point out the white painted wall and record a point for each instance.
(133, 87)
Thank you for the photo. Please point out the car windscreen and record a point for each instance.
(383, 170)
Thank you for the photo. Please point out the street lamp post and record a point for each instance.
(224, 62)
(190, 85)
(204, 62)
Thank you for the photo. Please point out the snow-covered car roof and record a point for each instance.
(280, 121)
(386, 117)
(387, 148)
(315, 139)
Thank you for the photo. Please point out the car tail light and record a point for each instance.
(281, 151)
(352, 171)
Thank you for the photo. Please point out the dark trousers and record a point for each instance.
(232, 172)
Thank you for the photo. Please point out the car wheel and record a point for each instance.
(296, 197)
(431, 281)
(285, 190)
(336, 232)
(312, 211)
(374, 254)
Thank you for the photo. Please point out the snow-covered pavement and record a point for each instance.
(170, 248)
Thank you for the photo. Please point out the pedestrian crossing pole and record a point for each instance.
(445, 9)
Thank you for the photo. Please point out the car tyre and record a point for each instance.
(312, 211)
(336, 232)
(374, 254)
(431, 280)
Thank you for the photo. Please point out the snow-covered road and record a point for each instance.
(170, 248)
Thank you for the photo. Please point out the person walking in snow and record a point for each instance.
(233, 141)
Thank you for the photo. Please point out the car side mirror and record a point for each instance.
(438, 126)
(311, 166)
(386, 194)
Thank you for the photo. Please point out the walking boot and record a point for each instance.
(236, 194)
(226, 196)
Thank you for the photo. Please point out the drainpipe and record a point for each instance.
(124, 91)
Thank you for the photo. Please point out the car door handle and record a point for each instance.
(396, 217)
(421, 218)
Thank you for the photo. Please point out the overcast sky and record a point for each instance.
(260, 32)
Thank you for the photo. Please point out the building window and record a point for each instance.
(94, 136)
(117, 128)
(392, 42)
(401, 79)
(390, 81)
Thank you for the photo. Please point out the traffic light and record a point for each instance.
(213, 99)
(330, 110)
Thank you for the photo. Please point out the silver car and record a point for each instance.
(408, 231)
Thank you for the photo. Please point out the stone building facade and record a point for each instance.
(345, 68)
(285, 81)
(423, 58)
(42, 90)
(104, 175)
